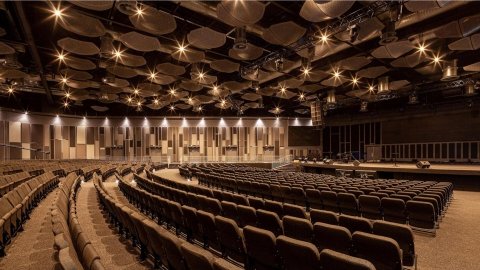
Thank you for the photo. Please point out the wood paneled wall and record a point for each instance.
(156, 139)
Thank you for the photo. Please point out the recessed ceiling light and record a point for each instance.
(172, 107)
(61, 57)
(153, 75)
(283, 90)
(65, 104)
(139, 103)
(117, 54)
(136, 91)
(64, 80)
(172, 91)
(301, 96)
(10, 90)
(129, 99)
(336, 74)
(139, 10)
(57, 12)
(155, 101)
(67, 95)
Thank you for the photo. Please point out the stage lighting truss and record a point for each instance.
(311, 40)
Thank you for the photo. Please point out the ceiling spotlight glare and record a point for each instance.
(222, 103)
(64, 80)
(201, 75)
(61, 57)
(181, 48)
(422, 48)
(255, 85)
(153, 75)
(301, 97)
(277, 110)
(283, 90)
(172, 91)
(355, 81)
(324, 37)
(172, 107)
(117, 54)
(155, 101)
(306, 71)
(139, 10)
(129, 99)
(371, 88)
(68, 95)
(336, 74)
(190, 100)
(139, 103)
(57, 12)
(136, 91)
(65, 104)
(10, 90)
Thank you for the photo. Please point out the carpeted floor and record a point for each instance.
(33, 248)
(456, 244)
(115, 251)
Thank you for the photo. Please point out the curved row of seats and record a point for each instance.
(75, 251)
(219, 224)
(10, 181)
(167, 250)
(16, 205)
(420, 204)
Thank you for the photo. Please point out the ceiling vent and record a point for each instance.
(450, 71)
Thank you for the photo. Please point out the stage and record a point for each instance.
(464, 176)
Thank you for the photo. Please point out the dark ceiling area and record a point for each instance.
(231, 58)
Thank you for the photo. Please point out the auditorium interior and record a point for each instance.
(240, 134)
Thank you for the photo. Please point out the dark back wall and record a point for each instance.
(462, 126)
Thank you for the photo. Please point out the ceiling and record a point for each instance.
(191, 58)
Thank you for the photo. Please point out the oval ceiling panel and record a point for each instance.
(206, 38)
(183, 106)
(164, 79)
(473, 67)
(235, 86)
(252, 105)
(151, 87)
(12, 74)
(93, 5)
(6, 49)
(105, 88)
(334, 82)
(393, 50)
(120, 83)
(252, 52)
(286, 94)
(267, 91)
(291, 83)
(140, 42)
(76, 74)
(79, 63)
(240, 13)
(80, 24)
(122, 71)
(225, 66)
(132, 60)
(78, 47)
(310, 88)
(153, 21)
(191, 86)
(354, 63)
(81, 84)
(324, 10)
(251, 96)
(372, 72)
(284, 33)
(170, 69)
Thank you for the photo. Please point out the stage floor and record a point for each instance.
(446, 169)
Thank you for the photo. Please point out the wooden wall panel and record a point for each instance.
(81, 135)
(15, 132)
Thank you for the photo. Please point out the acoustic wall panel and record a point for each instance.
(26, 151)
(90, 151)
(73, 152)
(25, 133)
(81, 151)
(81, 135)
(14, 132)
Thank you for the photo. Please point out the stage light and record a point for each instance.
(139, 103)
(129, 99)
(306, 71)
(201, 75)
(26, 112)
(422, 48)
(371, 88)
(355, 81)
(336, 74)
(155, 101)
(277, 110)
(301, 97)
(65, 104)
(57, 12)
(64, 80)
(136, 91)
(283, 90)
(172, 91)
(181, 48)
(222, 103)
(10, 90)
(68, 95)
(60, 56)
(215, 90)
(324, 37)
(172, 107)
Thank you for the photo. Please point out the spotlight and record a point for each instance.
(172, 107)
(283, 90)
(336, 74)
(153, 75)
(301, 97)
(61, 57)
(201, 75)
(65, 104)
(139, 10)
(64, 80)
(172, 91)
(117, 54)
(324, 37)
(155, 101)
(222, 103)
(181, 48)
(240, 41)
(255, 85)
(139, 103)
(129, 99)
(136, 91)
(68, 95)
(354, 81)
(57, 12)
(190, 100)
(10, 90)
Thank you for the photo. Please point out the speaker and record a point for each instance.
(423, 164)
(356, 163)
(328, 161)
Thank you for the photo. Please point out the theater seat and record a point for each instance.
(323, 216)
(394, 210)
(269, 221)
(297, 254)
(332, 260)
(355, 223)
(246, 216)
(421, 215)
(261, 248)
(196, 257)
(298, 228)
(370, 206)
(327, 236)
(231, 238)
(383, 252)
(400, 233)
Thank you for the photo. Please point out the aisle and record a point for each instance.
(115, 251)
(33, 248)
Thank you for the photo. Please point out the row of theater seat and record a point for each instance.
(75, 251)
(421, 205)
(10, 181)
(16, 204)
(219, 229)
(167, 249)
